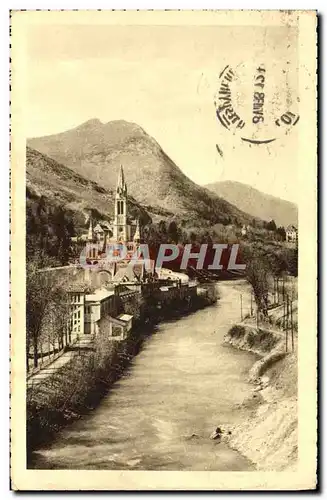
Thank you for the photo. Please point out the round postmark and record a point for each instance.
(257, 101)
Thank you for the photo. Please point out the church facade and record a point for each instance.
(121, 231)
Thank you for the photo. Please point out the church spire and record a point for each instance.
(137, 235)
(121, 184)
(90, 231)
(121, 228)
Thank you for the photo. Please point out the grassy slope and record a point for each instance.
(62, 186)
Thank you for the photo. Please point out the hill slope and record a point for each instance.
(96, 150)
(60, 186)
(256, 203)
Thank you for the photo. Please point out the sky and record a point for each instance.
(164, 78)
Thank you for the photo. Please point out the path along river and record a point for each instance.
(160, 414)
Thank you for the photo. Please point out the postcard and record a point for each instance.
(163, 250)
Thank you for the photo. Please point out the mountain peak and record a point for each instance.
(96, 150)
(91, 123)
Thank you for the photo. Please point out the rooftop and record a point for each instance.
(125, 317)
(99, 295)
(78, 286)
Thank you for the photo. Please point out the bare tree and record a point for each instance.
(47, 309)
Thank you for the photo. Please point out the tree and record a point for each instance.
(63, 229)
(277, 263)
(193, 237)
(258, 274)
(46, 307)
(292, 260)
(206, 238)
(271, 226)
(282, 233)
(162, 228)
(173, 232)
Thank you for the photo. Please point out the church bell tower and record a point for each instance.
(120, 228)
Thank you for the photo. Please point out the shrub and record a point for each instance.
(251, 338)
(237, 331)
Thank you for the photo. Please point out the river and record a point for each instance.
(177, 390)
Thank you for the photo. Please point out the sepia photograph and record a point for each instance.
(164, 250)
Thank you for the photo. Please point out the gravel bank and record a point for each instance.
(269, 437)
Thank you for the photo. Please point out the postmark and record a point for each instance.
(252, 103)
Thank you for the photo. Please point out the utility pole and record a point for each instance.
(277, 294)
(28, 353)
(251, 306)
(241, 308)
(284, 323)
(286, 320)
(292, 327)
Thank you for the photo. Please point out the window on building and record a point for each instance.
(116, 331)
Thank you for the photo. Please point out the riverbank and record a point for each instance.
(160, 413)
(268, 437)
(78, 387)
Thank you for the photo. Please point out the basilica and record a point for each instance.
(121, 231)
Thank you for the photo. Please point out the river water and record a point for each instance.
(160, 414)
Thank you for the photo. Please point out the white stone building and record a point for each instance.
(291, 234)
